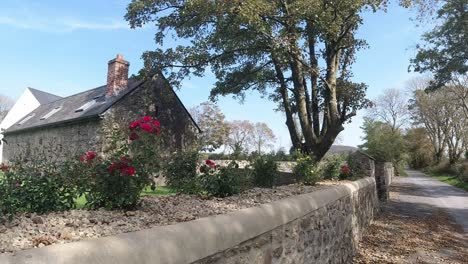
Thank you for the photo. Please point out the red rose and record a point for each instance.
(90, 155)
(156, 123)
(156, 130)
(83, 158)
(147, 127)
(133, 136)
(128, 171)
(210, 163)
(134, 125)
(147, 119)
(4, 168)
(345, 169)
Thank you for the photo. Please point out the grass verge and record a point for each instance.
(450, 179)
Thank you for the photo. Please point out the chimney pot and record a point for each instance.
(117, 75)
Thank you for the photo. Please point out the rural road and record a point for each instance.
(424, 191)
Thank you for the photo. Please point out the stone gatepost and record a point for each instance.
(384, 173)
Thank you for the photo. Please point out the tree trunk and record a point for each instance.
(311, 38)
(296, 143)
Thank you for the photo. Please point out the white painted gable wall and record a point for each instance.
(25, 105)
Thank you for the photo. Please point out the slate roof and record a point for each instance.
(69, 105)
(44, 97)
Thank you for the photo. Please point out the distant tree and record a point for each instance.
(262, 137)
(210, 119)
(240, 136)
(419, 148)
(444, 120)
(5, 105)
(382, 142)
(392, 108)
(444, 52)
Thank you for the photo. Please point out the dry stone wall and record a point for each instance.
(327, 235)
(319, 227)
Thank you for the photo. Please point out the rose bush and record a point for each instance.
(117, 180)
(113, 180)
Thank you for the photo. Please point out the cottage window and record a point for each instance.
(52, 112)
(26, 118)
(86, 106)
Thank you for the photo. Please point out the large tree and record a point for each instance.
(296, 52)
(444, 51)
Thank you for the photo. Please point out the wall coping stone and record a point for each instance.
(189, 241)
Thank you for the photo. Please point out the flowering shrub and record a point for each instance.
(223, 181)
(307, 171)
(346, 172)
(117, 180)
(181, 172)
(356, 165)
(112, 181)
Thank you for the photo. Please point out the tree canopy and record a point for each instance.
(297, 53)
(444, 51)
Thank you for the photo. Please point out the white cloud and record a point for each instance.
(61, 24)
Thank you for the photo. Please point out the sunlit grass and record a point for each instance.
(450, 179)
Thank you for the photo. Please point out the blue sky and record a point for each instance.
(62, 47)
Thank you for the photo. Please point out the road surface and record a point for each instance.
(429, 192)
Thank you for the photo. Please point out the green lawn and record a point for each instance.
(450, 179)
(160, 190)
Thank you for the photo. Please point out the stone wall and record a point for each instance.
(319, 227)
(329, 234)
(54, 143)
(384, 172)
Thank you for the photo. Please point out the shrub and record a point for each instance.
(357, 165)
(114, 181)
(332, 167)
(462, 171)
(223, 181)
(265, 171)
(34, 188)
(306, 171)
(181, 172)
(443, 167)
(117, 180)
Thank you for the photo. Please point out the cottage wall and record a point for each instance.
(156, 99)
(53, 143)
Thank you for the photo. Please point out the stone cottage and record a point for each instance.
(72, 125)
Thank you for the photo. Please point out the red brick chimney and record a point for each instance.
(117, 75)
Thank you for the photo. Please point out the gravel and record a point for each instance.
(32, 231)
